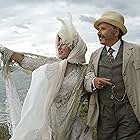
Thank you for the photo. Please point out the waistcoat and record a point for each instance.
(113, 72)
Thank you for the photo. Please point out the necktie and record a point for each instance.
(110, 56)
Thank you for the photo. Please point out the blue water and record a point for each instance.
(22, 81)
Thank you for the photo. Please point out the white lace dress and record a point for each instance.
(61, 109)
(62, 105)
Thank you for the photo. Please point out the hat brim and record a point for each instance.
(112, 22)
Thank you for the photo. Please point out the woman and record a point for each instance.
(51, 110)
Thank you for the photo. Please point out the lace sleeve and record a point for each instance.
(31, 63)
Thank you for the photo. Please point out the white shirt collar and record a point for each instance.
(115, 47)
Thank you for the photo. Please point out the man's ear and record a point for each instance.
(117, 32)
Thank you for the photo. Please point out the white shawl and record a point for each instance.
(45, 85)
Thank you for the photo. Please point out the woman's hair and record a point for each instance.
(69, 45)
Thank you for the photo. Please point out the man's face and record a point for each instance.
(107, 34)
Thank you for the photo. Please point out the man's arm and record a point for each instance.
(92, 82)
(90, 75)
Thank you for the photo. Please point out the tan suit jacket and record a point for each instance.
(131, 77)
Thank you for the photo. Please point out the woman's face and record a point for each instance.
(63, 50)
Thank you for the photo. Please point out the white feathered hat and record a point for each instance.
(67, 32)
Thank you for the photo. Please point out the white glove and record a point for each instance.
(5, 53)
(2, 48)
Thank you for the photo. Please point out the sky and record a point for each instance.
(31, 25)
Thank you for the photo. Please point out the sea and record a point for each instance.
(22, 81)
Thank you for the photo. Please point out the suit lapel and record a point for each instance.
(96, 59)
(127, 50)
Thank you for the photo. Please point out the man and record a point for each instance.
(113, 77)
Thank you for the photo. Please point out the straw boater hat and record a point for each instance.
(113, 18)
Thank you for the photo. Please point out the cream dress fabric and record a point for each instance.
(51, 101)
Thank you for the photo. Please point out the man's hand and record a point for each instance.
(100, 83)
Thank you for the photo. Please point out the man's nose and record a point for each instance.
(99, 32)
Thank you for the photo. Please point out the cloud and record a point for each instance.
(88, 19)
(28, 24)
